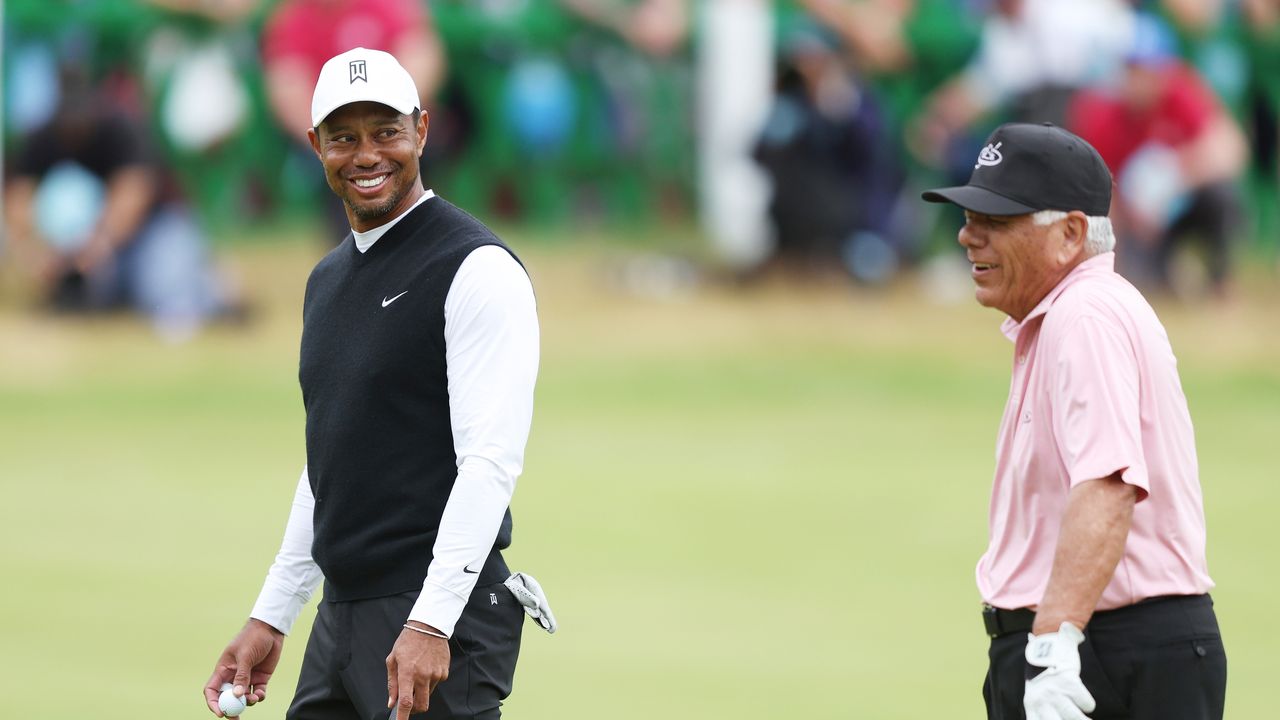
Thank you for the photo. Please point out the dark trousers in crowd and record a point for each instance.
(1211, 221)
(1161, 659)
(344, 671)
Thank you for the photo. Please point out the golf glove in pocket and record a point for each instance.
(529, 594)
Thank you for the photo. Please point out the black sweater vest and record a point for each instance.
(379, 438)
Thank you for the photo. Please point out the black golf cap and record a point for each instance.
(1025, 168)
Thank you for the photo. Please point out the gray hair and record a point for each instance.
(1099, 239)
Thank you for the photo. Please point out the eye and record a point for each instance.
(388, 132)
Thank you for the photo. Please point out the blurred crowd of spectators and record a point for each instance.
(132, 128)
(800, 131)
(888, 96)
(527, 97)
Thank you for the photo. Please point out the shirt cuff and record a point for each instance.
(278, 606)
(438, 607)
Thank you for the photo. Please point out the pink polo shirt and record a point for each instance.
(1095, 390)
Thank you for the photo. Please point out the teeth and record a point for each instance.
(373, 182)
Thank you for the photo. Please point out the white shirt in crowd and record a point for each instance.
(1049, 42)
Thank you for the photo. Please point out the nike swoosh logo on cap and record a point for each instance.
(386, 302)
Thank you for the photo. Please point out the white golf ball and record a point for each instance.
(230, 705)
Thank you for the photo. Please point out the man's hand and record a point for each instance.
(1056, 692)
(246, 663)
(417, 664)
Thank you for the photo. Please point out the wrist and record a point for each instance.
(265, 625)
(1043, 628)
(424, 629)
(1054, 610)
(1051, 622)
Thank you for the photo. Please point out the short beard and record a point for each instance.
(365, 212)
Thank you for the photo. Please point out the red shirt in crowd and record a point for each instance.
(315, 30)
(1182, 110)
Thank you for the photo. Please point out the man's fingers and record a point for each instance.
(423, 698)
(393, 689)
(404, 705)
(404, 702)
(241, 679)
(1081, 697)
(257, 695)
(213, 688)
(1066, 709)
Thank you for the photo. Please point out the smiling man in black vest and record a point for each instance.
(418, 362)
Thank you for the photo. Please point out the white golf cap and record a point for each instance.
(361, 75)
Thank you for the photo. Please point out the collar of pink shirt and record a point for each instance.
(1103, 262)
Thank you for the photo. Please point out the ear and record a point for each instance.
(1075, 230)
(315, 141)
(424, 124)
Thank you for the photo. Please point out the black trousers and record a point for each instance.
(1161, 659)
(344, 671)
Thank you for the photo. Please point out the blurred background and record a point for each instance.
(757, 481)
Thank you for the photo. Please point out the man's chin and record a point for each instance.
(984, 298)
(371, 209)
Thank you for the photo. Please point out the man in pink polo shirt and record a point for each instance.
(1094, 582)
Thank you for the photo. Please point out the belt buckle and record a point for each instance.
(991, 620)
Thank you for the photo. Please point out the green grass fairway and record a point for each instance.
(743, 504)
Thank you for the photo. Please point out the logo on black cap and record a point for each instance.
(358, 71)
(989, 156)
(1051, 169)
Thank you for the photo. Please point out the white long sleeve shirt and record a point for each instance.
(491, 352)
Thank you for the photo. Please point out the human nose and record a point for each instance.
(366, 153)
(969, 237)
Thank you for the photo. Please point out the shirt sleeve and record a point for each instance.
(491, 352)
(294, 576)
(1096, 416)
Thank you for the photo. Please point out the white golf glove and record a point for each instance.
(529, 593)
(1057, 692)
